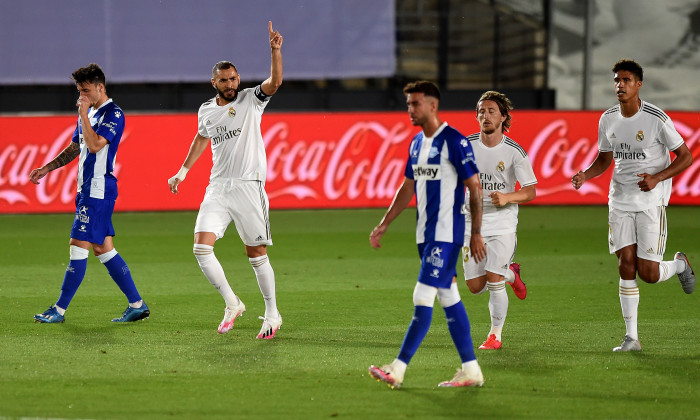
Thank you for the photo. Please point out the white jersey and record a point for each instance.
(238, 151)
(500, 167)
(640, 144)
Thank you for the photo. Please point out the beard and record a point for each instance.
(227, 97)
(491, 129)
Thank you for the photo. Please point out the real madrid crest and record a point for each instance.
(231, 112)
(501, 166)
(640, 135)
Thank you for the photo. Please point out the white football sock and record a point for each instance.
(214, 272)
(629, 301)
(266, 281)
(498, 307)
(398, 369)
(668, 269)
(471, 367)
(510, 276)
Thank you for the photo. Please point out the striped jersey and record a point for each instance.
(238, 151)
(96, 170)
(640, 144)
(500, 168)
(439, 165)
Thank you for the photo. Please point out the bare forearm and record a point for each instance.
(401, 199)
(523, 195)
(476, 210)
(196, 149)
(65, 157)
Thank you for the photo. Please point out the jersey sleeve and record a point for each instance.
(261, 98)
(408, 171)
(603, 142)
(201, 129)
(462, 157)
(76, 133)
(669, 136)
(111, 125)
(524, 172)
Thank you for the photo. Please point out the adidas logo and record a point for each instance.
(259, 238)
(613, 136)
(650, 250)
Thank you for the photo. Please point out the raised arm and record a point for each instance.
(93, 141)
(196, 149)
(270, 86)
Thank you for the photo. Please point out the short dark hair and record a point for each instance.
(631, 66)
(504, 105)
(424, 87)
(222, 65)
(92, 73)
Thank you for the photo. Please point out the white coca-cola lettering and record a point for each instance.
(57, 187)
(554, 156)
(367, 172)
(365, 162)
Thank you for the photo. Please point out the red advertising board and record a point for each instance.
(315, 160)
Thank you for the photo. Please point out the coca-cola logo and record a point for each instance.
(367, 160)
(58, 186)
(556, 158)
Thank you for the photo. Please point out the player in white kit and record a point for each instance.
(502, 162)
(230, 123)
(638, 136)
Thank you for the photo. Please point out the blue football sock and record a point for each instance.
(75, 272)
(460, 330)
(121, 274)
(417, 330)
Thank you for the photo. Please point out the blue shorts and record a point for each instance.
(93, 219)
(438, 262)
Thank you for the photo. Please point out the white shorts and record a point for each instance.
(645, 228)
(500, 250)
(244, 203)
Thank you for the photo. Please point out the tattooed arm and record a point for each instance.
(64, 158)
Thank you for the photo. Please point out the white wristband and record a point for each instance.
(182, 173)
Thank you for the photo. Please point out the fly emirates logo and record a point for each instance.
(426, 172)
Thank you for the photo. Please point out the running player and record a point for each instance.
(96, 140)
(440, 164)
(502, 162)
(638, 136)
(230, 124)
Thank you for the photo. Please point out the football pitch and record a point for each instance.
(345, 306)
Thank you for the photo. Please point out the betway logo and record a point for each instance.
(426, 172)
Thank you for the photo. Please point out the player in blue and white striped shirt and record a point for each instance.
(440, 164)
(95, 141)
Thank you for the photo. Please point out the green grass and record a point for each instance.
(345, 306)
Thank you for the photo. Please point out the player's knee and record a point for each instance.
(448, 297)
(202, 251)
(648, 275)
(424, 295)
(476, 286)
